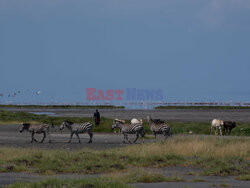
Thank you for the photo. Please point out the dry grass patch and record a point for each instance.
(243, 177)
(68, 183)
(141, 176)
(219, 156)
(193, 146)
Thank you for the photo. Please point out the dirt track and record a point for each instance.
(11, 137)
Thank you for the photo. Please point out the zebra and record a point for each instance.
(78, 128)
(126, 129)
(36, 129)
(159, 128)
(122, 122)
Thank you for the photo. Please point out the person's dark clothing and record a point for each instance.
(97, 118)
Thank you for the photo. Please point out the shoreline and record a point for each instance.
(176, 115)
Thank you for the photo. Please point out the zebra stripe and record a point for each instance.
(134, 127)
(84, 127)
(129, 129)
(78, 128)
(161, 128)
(36, 129)
(156, 128)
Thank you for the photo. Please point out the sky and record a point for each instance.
(192, 50)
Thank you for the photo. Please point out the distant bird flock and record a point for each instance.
(16, 93)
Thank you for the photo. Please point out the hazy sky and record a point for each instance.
(194, 50)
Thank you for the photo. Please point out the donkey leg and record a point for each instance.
(44, 135)
(215, 131)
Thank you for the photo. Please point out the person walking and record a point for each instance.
(97, 118)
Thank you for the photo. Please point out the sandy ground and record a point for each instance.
(200, 115)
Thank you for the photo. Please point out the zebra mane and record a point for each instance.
(155, 121)
(158, 121)
(26, 124)
(69, 122)
(149, 118)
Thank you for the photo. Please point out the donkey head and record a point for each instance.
(141, 121)
(233, 125)
(148, 119)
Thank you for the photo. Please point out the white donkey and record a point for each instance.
(134, 120)
(217, 126)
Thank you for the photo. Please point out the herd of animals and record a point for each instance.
(157, 126)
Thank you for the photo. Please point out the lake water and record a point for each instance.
(44, 113)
